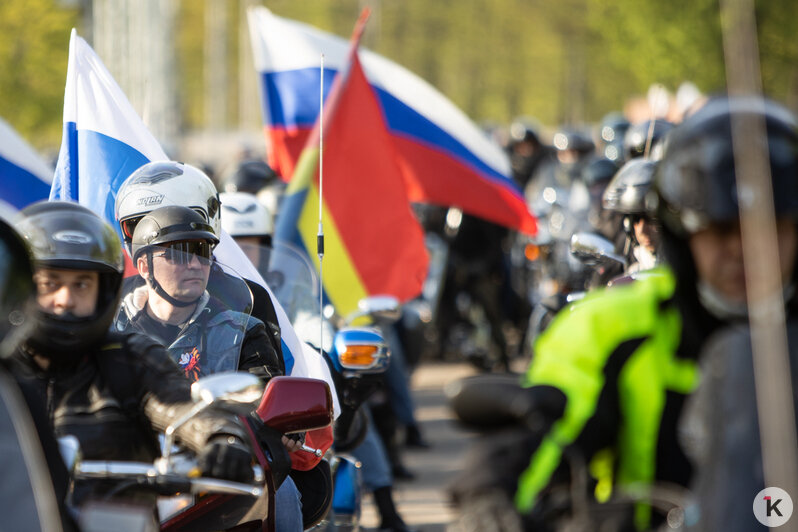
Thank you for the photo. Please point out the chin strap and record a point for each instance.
(156, 286)
(723, 309)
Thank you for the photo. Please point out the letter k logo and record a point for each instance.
(772, 506)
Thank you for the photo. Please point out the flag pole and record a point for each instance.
(320, 235)
(773, 388)
(360, 26)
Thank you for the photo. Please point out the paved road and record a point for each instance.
(423, 501)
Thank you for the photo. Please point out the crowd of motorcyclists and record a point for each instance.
(605, 313)
(597, 438)
(110, 360)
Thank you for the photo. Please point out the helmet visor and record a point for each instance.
(181, 253)
(129, 226)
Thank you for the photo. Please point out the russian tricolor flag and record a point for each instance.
(24, 176)
(445, 158)
(104, 142)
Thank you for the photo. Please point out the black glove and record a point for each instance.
(226, 457)
(296, 436)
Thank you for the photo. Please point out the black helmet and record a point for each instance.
(571, 139)
(17, 293)
(613, 127)
(170, 224)
(627, 191)
(250, 176)
(163, 227)
(636, 138)
(521, 131)
(65, 235)
(611, 133)
(599, 171)
(695, 181)
(695, 185)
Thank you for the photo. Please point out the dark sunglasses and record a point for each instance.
(181, 252)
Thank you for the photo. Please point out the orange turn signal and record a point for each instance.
(358, 355)
(532, 252)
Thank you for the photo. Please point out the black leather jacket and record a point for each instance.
(118, 397)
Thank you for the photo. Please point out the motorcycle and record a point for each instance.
(597, 255)
(357, 357)
(510, 418)
(288, 404)
(29, 498)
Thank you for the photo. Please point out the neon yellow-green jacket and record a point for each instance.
(636, 330)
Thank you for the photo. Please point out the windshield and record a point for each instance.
(290, 275)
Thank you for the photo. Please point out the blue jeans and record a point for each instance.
(288, 508)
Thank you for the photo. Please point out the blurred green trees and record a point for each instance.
(34, 47)
(570, 60)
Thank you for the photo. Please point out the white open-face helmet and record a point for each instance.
(243, 215)
(164, 183)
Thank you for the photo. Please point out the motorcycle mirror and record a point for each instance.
(296, 404)
(234, 388)
(384, 308)
(70, 450)
(592, 249)
(238, 390)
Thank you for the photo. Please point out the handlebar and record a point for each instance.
(311, 450)
(147, 474)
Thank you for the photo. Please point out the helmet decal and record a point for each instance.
(156, 199)
(72, 237)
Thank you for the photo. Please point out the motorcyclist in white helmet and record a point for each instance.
(249, 222)
(169, 183)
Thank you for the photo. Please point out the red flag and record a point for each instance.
(374, 244)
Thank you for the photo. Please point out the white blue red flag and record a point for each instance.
(445, 158)
(104, 142)
(104, 139)
(24, 176)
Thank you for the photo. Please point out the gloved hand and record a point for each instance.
(226, 457)
(293, 442)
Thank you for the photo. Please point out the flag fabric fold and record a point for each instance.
(24, 176)
(444, 158)
(373, 243)
(104, 142)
